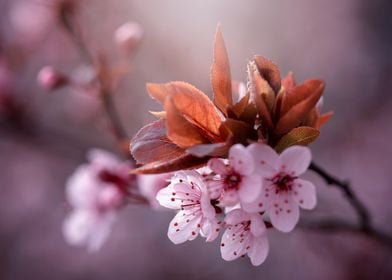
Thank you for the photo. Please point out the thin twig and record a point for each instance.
(359, 207)
(104, 91)
(365, 227)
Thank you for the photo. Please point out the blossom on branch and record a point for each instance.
(96, 191)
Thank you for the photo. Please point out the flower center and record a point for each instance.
(232, 180)
(283, 182)
(112, 178)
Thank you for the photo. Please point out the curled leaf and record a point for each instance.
(302, 135)
(220, 74)
(269, 71)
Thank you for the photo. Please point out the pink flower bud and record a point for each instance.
(128, 36)
(50, 79)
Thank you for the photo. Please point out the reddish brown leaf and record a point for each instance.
(193, 104)
(158, 91)
(180, 131)
(299, 93)
(213, 150)
(185, 161)
(302, 135)
(288, 82)
(262, 95)
(323, 119)
(151, 144)
(269, 71)
(297, 113)
(220, 74)
(238, 131)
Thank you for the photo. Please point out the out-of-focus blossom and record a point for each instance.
(50, 78)
(96, 191)
(30, 20)
(150, 185)
(283, 191)
(188, 193)
(245, 234)
(128, 36)
(238, 182)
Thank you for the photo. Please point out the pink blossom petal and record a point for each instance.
(295, 159)
(284, 213)
(263, 202)
(237, 216)
(81, 188)
(215, 188)
(250, 188)
(241, 160)
(257, 226)
(304, 193)
(233, 247)
(229, 198)
(218, 166)
(210, 229)
(185, 226)
(259, 249)
(167, 197)
(265, 159)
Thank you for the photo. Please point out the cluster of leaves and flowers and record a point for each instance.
(236, 160)
(230, 166)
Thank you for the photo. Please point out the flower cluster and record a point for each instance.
(237, 159)
(252, 185)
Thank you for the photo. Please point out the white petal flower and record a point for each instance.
(188, 193)
(237, 180)
(283, 192)
(245, 234)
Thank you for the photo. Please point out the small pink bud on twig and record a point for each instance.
(50, 78)
(128, 36)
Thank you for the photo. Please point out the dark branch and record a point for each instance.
(359, 207)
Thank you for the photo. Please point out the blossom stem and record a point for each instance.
(105, 93)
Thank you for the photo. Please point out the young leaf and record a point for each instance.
(296, 114)
(269, 71)
(220, 74)
(302, 135)
(180, 131)
(151, 144)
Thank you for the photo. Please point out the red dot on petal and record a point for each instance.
(193, 233)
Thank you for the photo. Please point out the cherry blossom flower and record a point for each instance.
(188, 193)
(95, 191)
(245, 234)
(283, 191)
(238, 182)
(149, 185)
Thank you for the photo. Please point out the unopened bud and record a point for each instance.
(50, 78)
(128, 36)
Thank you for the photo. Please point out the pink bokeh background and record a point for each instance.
(346, 43)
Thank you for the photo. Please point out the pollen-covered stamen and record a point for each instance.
(282, 182)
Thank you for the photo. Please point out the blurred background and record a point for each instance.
(44, 136)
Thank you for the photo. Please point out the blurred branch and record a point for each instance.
(364, 218)
(67, 18)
